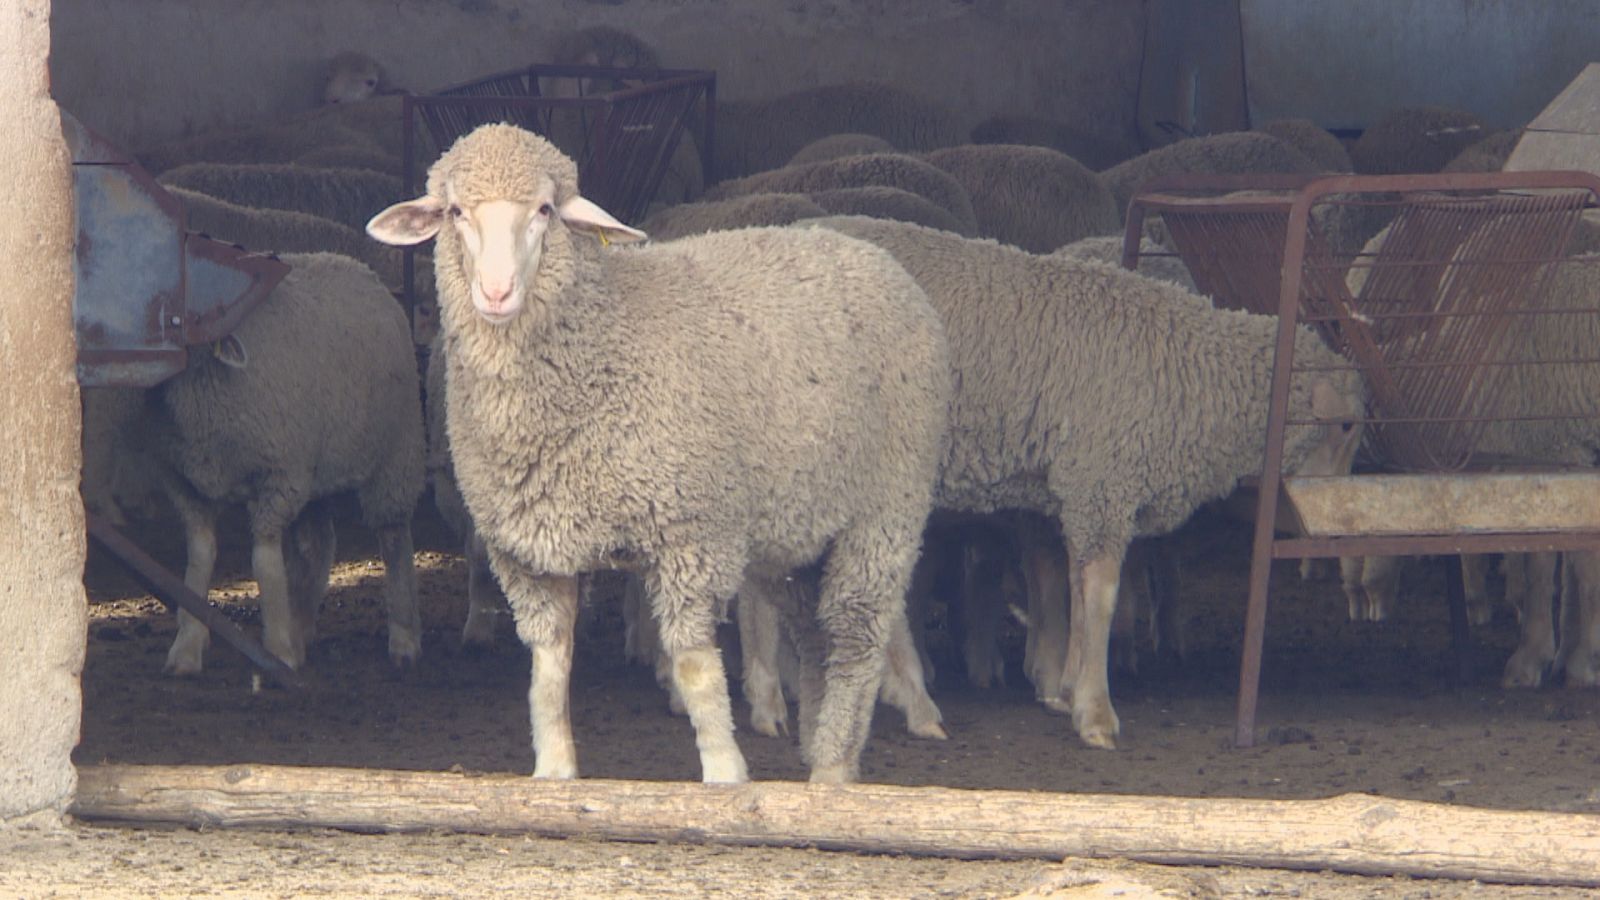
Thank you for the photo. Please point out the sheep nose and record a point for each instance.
(495, 293)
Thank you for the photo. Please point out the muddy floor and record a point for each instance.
(1346, 706)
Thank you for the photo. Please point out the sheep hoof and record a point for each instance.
(1523, 670)
(1057, 704)
(769, 724)
(565, 771)
(404, 649)
(1098, 729)
(928, 731)
(477, 633)
(182, 663)
(834, 774)
(724, 771)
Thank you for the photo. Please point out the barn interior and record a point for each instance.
(1398, 708)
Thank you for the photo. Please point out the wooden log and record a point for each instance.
(1354, 833)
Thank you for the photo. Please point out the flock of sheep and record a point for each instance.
(871, 321)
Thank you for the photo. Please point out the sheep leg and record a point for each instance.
(981, 577)
(1045, 573)
(758, 649)
(1123, 650)
(796, 602)
(400, 593)
(1092, 714)
(639, 644)
(1166, 625)
(1380, 579)
(545, 609)
(1537, 648)
(686, 601)
(863, 594)
(279, 634)
(309, 554)
(903, 686)
(1579, 655)
(1355, 595)
(640, 624)
(483, 596)
(187, 654)
(1474, 583)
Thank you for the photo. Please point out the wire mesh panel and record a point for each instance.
(623, 137)
(1438, 311)
(1475, 323)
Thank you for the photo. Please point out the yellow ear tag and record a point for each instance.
(604, 241)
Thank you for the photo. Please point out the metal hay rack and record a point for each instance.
(1441, 290)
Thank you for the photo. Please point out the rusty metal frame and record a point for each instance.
(1311, 291)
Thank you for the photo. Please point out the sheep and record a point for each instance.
(347, 196)
(1415, 139)
(355, 156)
(734, 212)
(879, 169)
(1092, 150)
(1317, 143)
(835, 146)
(1155, 261)
(885, 203)
(1112, 402)
(614, 408)
(757, 135)
(1031, 197)
(285, 231)
(1487, 155)
(315, 393)
(353, 76)
(1234, 152)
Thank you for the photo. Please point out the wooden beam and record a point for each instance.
(1354, 833)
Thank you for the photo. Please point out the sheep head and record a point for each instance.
(352, 77)
(512, 203)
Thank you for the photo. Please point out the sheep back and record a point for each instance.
(1092, 150)
(1317, 143)
(895, 170)
(1415, 139)
(834, 146)
(347, 196)
(1230, 153)
(885, 203)
(328, 401)
(1117, 402)
(734, 212)
(1030, 197)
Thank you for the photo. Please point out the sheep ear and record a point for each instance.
(231, 352)
(408, 223)
(582, 215)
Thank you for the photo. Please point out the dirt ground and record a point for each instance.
(1346, 707)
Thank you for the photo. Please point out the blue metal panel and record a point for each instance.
(147, 289)
(1343, 64)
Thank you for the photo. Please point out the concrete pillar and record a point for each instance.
(43, 613)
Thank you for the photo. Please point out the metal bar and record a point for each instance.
(171, 591)
(1255, 623)
(1431, 544)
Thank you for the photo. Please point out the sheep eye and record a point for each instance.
(455, 211)
(545, 209)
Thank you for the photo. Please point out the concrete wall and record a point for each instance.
(43, 613)
(143, 70)
(1343, 64)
